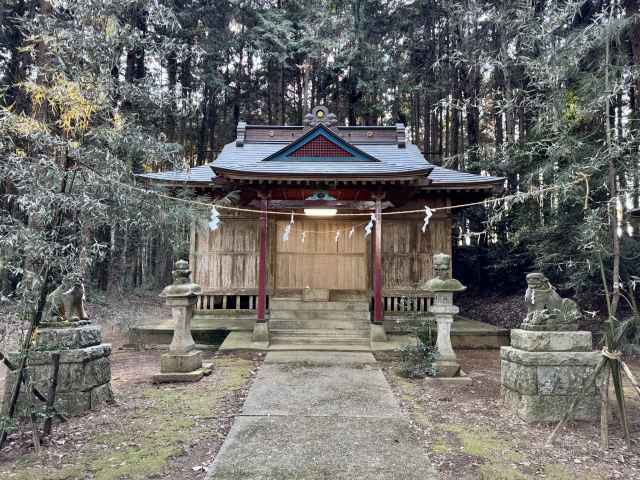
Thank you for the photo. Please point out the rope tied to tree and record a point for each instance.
(616, 355)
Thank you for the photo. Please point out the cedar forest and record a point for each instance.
(541, 92)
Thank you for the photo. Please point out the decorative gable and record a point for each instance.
(321, 145)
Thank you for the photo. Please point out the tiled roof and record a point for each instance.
(248, 158)
(444, 176)
(201, 174)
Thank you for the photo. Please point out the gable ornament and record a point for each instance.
(320, 115)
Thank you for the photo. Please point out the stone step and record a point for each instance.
(329, 324)
(324, 340)
(318, 347)
(277, 314)
(290, 298)
(276, 304)
(322, 333)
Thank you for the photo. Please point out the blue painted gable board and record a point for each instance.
(284, 155)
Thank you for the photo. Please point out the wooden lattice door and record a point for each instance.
(321, 261)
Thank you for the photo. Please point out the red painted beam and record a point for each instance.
(262, 263)
(377, 269)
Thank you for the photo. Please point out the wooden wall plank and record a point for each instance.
(407, 252)
(227, 258)
(321, 262)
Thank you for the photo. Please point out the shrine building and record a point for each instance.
(320, 279)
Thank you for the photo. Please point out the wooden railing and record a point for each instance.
(400, 302)
(236, 300)
(392, 301)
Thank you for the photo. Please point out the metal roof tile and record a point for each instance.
(248, 159)
(200, 174)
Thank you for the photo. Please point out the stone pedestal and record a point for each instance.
(261, 334)
(543, 371)
(182, 313)
(180, 363)
(84, 378)
(447, 364)
(377, 333)
(443, 287)
(183, 363)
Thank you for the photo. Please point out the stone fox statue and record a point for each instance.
(546, 310)
(64, 305)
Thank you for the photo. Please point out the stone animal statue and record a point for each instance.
(546, 309)
(66, 304)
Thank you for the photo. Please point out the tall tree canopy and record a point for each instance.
(542, 92)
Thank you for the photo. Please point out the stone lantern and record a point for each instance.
(442, 286)
(183, 363)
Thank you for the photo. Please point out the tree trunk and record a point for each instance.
(201, 144)
(426, 113)
(16, 68)
(213, 121)
(283, 96)
(172, 76)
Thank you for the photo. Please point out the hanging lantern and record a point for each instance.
(320, 211)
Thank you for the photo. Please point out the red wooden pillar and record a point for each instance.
(378, 314)
(262, 262)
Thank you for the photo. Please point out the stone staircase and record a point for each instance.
(314, 321)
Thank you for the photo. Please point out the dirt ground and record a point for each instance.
(160, 432)
(472, 436)
(174, 431)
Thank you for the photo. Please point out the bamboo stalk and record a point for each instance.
(617, 384)
(632, 379)
(614, 361)
(585, 387)
(604, 413)
(33, 419)
(35, 321)
(51, 395)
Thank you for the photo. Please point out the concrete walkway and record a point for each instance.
(321, 415)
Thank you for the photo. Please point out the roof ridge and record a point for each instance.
(320, 130)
